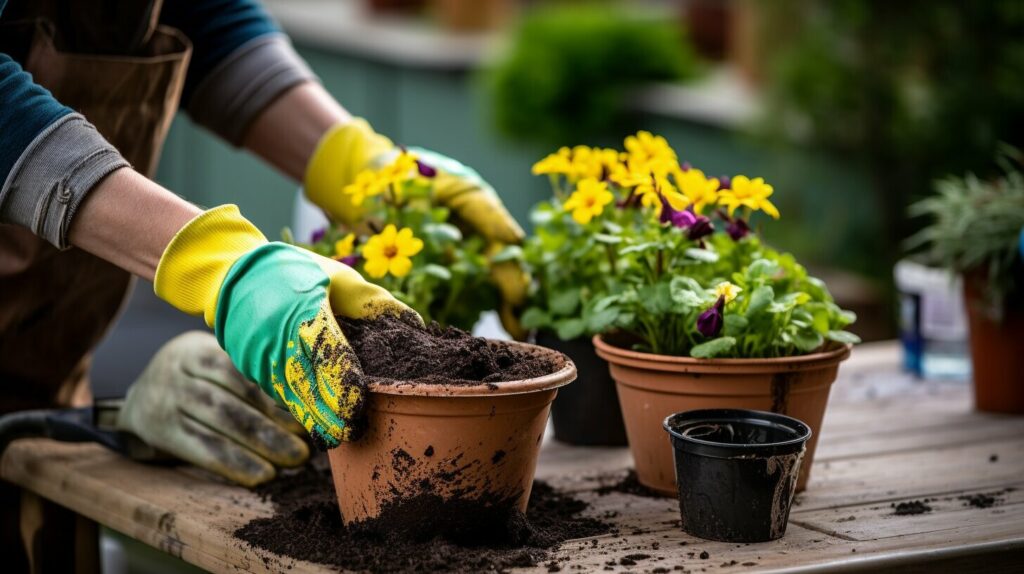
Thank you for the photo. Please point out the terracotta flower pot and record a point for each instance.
(996, 357)
(433, 453)
(651, 387)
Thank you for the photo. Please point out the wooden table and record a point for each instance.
(887, 439)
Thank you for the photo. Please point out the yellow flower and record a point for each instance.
(727, 290)
(588, 200)
(558, 163)
(343, 247)
(752, 193)
(699, 190)
(403, 168)
(390, 251)
(645, 147)
(656, 188)
(367, 184)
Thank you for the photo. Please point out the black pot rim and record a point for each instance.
(730, 450)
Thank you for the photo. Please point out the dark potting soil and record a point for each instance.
(391, 349)
(631, 485)
(910, 508)
(307, 525)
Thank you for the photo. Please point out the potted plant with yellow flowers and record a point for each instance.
(690, 308)
(407, 245)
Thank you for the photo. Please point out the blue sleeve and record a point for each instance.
(216, 28)
(26, 109)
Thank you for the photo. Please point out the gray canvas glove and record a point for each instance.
(192, 403)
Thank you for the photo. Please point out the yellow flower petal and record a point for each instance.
(400, 266)
(377, 267)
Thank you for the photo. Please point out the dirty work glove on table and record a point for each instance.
(348, 149)
(272, 307)
(191, 402)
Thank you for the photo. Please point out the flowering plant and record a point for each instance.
(662, 258)
(406, 244)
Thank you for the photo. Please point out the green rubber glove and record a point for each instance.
(350, 148)
(192, 403)
(273, 308)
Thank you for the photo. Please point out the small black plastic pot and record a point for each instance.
(585, 413)
(736, 471)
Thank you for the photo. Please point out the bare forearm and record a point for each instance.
(129, 220)
(287, 132)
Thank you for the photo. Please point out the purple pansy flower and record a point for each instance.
(701, 228)
(724, 182)
(710, 322)
(681, 219)
(425, 170)
(350, 260)
(317, 235)
(686, 166)
(738, 229)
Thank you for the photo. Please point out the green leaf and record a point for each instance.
(600, 322)
(788, 302)
(641, 247)
(602, 303)
(435, 270)
(439, 214)
(713, 348)
(605, 238)
(762, 268)
(845, 337)
(570, 328)
(565, 302)
(534, 318)
(657, 299)
(508, 253)
(807, 341)
(701, 255)
(760, 299)
(734, 324)
(444, 232)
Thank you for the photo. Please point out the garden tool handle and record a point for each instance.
(72, 425)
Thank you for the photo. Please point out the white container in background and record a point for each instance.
(933, 323)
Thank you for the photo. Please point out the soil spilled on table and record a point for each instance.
(307, 525)
(394, 350)
(631, 485)
(911, 508)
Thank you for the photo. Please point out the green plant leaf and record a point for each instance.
(713, 348)
(508, 253)
(703, 255)
(601, 321)
(534, 318)
(444, 232)
(657, 299)
(605, 238)
(845, 337)
(734, 324)
(807, 341)
(565, 302)
(435, 270)
(760, 299)
(570, 328)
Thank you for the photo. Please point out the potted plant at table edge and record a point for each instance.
(407, 245)
(976, 232)
(691, 315)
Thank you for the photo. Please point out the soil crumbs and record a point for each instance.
(395, 350)
(910, 508)
(307, 526)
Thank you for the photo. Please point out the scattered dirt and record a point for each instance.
(985, 499)
(392, 349)
(631, 485)
(910, 508)
(307, 526)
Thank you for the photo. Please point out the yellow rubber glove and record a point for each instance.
(273, 307)
(348, 149)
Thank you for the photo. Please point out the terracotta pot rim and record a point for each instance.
(563, 376)
(652, 361)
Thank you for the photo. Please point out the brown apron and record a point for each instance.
(112, 63)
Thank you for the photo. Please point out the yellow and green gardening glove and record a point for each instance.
(272, 307)
(191, 402)
(350, 148)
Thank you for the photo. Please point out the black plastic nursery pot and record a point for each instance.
(736, 471)
(586, 413)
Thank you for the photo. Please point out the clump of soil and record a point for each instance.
(631, 485)
(985, 499)
(392, 349)
(307, 525)
(910, 508)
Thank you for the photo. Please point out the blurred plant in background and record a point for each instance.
(917, 89)
(628, 245)
(572, 65)
(975, 229)
(408, 246)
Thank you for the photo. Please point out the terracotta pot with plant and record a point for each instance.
(691, 317)
(454, 423)
(976, 231)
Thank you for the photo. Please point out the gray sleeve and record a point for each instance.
(54, 174)
(244, 83)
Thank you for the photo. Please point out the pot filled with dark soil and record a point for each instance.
(454, 426)
(587, 413)
(652, 387)
(996, 358)
(737, 471)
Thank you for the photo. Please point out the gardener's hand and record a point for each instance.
(272, 307)
(192, 403)
(350, 148)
